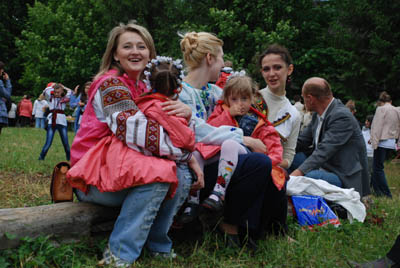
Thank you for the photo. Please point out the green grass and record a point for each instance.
(24, 181)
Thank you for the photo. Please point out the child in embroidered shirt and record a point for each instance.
(235, 110)
(163, 78)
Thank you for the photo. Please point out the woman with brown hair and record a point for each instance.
(276, 68)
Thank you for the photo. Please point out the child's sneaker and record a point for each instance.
(164, 255)
(112, 260)
(190, 213)
(214, 202)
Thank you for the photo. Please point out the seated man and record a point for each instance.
(338, 153)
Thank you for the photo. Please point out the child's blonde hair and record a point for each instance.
(240, 86)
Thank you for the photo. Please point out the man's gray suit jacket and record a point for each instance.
(341, 148)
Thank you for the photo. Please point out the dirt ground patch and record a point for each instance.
(22, 190)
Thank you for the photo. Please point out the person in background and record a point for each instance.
(58, 97)
(12, 115)
(39, 107)
(226, 71)
(366, 131)
(297, 103)
(75, 97)
(385, 130)
(352, 106)
(5, 95)
(306, 117)
(80, 108)
(24, 111)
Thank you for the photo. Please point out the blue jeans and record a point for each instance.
(77, 116)
(298, 159)
(49, 140)
(378, 178)
(39, 122)
(145, 216)
(330, 177)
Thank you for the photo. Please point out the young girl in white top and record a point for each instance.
(39, 107)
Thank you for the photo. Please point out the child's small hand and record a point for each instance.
(194, 165)
(255, 145)
(234, 110)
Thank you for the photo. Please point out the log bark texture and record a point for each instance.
(65, 220)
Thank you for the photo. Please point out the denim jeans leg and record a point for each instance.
(37, 122)
(42, 122)
(108, 199)
(378, 179)
(63, 130)
(49, 140)
(158, 240)
(330, 177)
(76, 121)
(298, 159)
(138, 212)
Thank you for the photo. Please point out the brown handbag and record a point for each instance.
(60, 189)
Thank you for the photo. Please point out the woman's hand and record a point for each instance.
(5, 76)
(297, 172)
(194, 165)
(255, 145)
(284, 164)
(177, 108)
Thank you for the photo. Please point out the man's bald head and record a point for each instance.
(317, 87)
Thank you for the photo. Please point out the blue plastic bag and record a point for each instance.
(311, 210)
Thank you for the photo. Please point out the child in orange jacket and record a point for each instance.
(236, 110)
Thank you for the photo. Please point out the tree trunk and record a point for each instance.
(65, 220)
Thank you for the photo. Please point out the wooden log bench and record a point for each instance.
(65, 220)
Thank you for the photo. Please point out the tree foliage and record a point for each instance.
(353, 44)
(13, 16)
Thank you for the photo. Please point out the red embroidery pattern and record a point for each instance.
(221, 181)
(153, 136)
(121, 123)
(116, 91)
